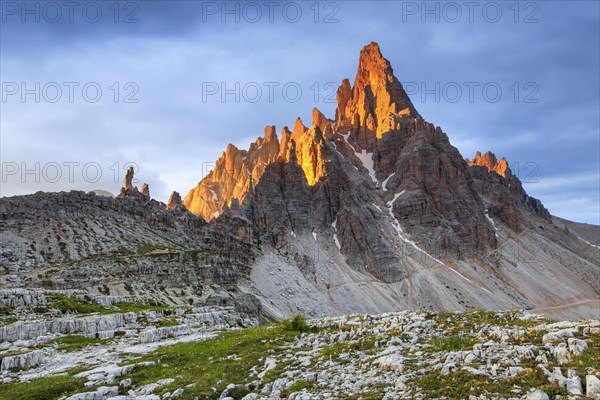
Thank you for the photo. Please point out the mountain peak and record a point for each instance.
(299, 129)
(270, 134)
(489, 161)
(371, 60)
(377, 100)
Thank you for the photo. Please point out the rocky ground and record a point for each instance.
(401, 355)
(46, 336)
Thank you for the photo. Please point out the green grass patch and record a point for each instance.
(76, 342)
(212, 363)
(49, 388)
(12, 353)
(129, 289)
(590, 359)
(67, 304)
(460, 384)
(199, 254)
(451, 343)
(468, 320)
(297, 387)
(124, 251)
(145, 248)
(167, 322)
(333, 352)
(138, 307)
(8, 321)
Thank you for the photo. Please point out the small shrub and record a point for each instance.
(296, 324)
(297, 387)
(238, 392)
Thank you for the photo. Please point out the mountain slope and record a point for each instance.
(399, 218)
(368, 212)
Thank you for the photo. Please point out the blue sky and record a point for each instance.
(169, 55)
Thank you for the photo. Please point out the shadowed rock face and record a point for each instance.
(503, 193)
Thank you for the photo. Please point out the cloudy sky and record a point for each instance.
(90, 87)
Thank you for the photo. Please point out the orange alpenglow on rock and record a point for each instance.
(376, 104)
(127, 182)
(377, 100)
(488, 160)
(237, 171)
(309, 152)
(145, 190)
(174, 201)
(299, 129)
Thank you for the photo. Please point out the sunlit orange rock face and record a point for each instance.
(237, 171)
(174, 201)
(374, 105)
(232, 176)
(488, 160)
(377, 101)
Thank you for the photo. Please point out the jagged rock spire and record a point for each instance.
(128, 190)
(299, 129)
(377, 100)
(489, 161)
(145, 190)
(174, 201)
(127, 182)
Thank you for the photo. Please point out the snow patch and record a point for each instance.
(293, 234)
(384, 184)
(336, 149)
(346, 136)
(591, 244)
(314, 235)
(335, 237)
(367, 161)
(398, 228)
(482, 288)
(377, 207)
(337, 242)
(461, 275)
(492, 222)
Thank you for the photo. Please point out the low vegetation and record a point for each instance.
(48, 388)
(69, 305)
(206, 368)
(76, 342)
(213, 363)
(460, 384)
(451, 343)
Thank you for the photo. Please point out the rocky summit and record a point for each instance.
(344, 220)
